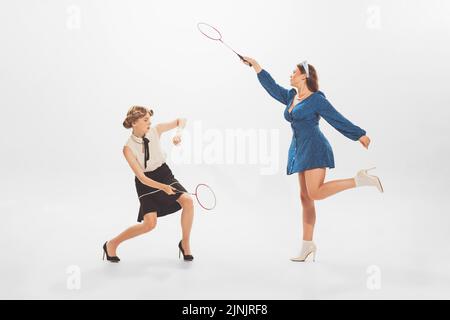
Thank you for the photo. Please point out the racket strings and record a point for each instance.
(206, 197)
(209, 31)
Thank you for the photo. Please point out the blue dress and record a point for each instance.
(309, 147)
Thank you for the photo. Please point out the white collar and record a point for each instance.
(137, 139)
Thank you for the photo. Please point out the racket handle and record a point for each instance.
(179, 191)
(242, 58)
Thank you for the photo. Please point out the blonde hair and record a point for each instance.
(134, 114)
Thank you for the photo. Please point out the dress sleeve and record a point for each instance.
(338, 121)
(276, 91)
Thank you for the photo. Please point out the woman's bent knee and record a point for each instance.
(149, 222)
(186, 200)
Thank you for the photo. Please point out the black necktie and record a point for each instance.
(146, 151)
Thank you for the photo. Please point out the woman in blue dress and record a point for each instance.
(310, 153)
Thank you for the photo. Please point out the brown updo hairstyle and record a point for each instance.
(134, 114)
(312, 82)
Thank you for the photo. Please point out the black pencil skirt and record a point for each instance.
(160, 201)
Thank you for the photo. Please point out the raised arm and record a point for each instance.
(179, 123)
(134, 165)
(276, 91)
(338, 121)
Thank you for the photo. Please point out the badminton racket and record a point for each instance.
(214, 34)
(204, 194)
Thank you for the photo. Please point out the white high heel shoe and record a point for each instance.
(308, 248)
(362, 178)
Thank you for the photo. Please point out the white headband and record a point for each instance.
(305, 66)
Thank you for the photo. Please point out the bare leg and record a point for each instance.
(319, 190)
(309, 210)
(133, 231)
(309, 220)
(187, 217)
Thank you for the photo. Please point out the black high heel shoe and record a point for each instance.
(186, 257)
(108, 257)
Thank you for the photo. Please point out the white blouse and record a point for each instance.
(157, 156)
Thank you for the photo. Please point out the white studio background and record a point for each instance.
(69, 70)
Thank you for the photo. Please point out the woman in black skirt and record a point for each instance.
(155, 182)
